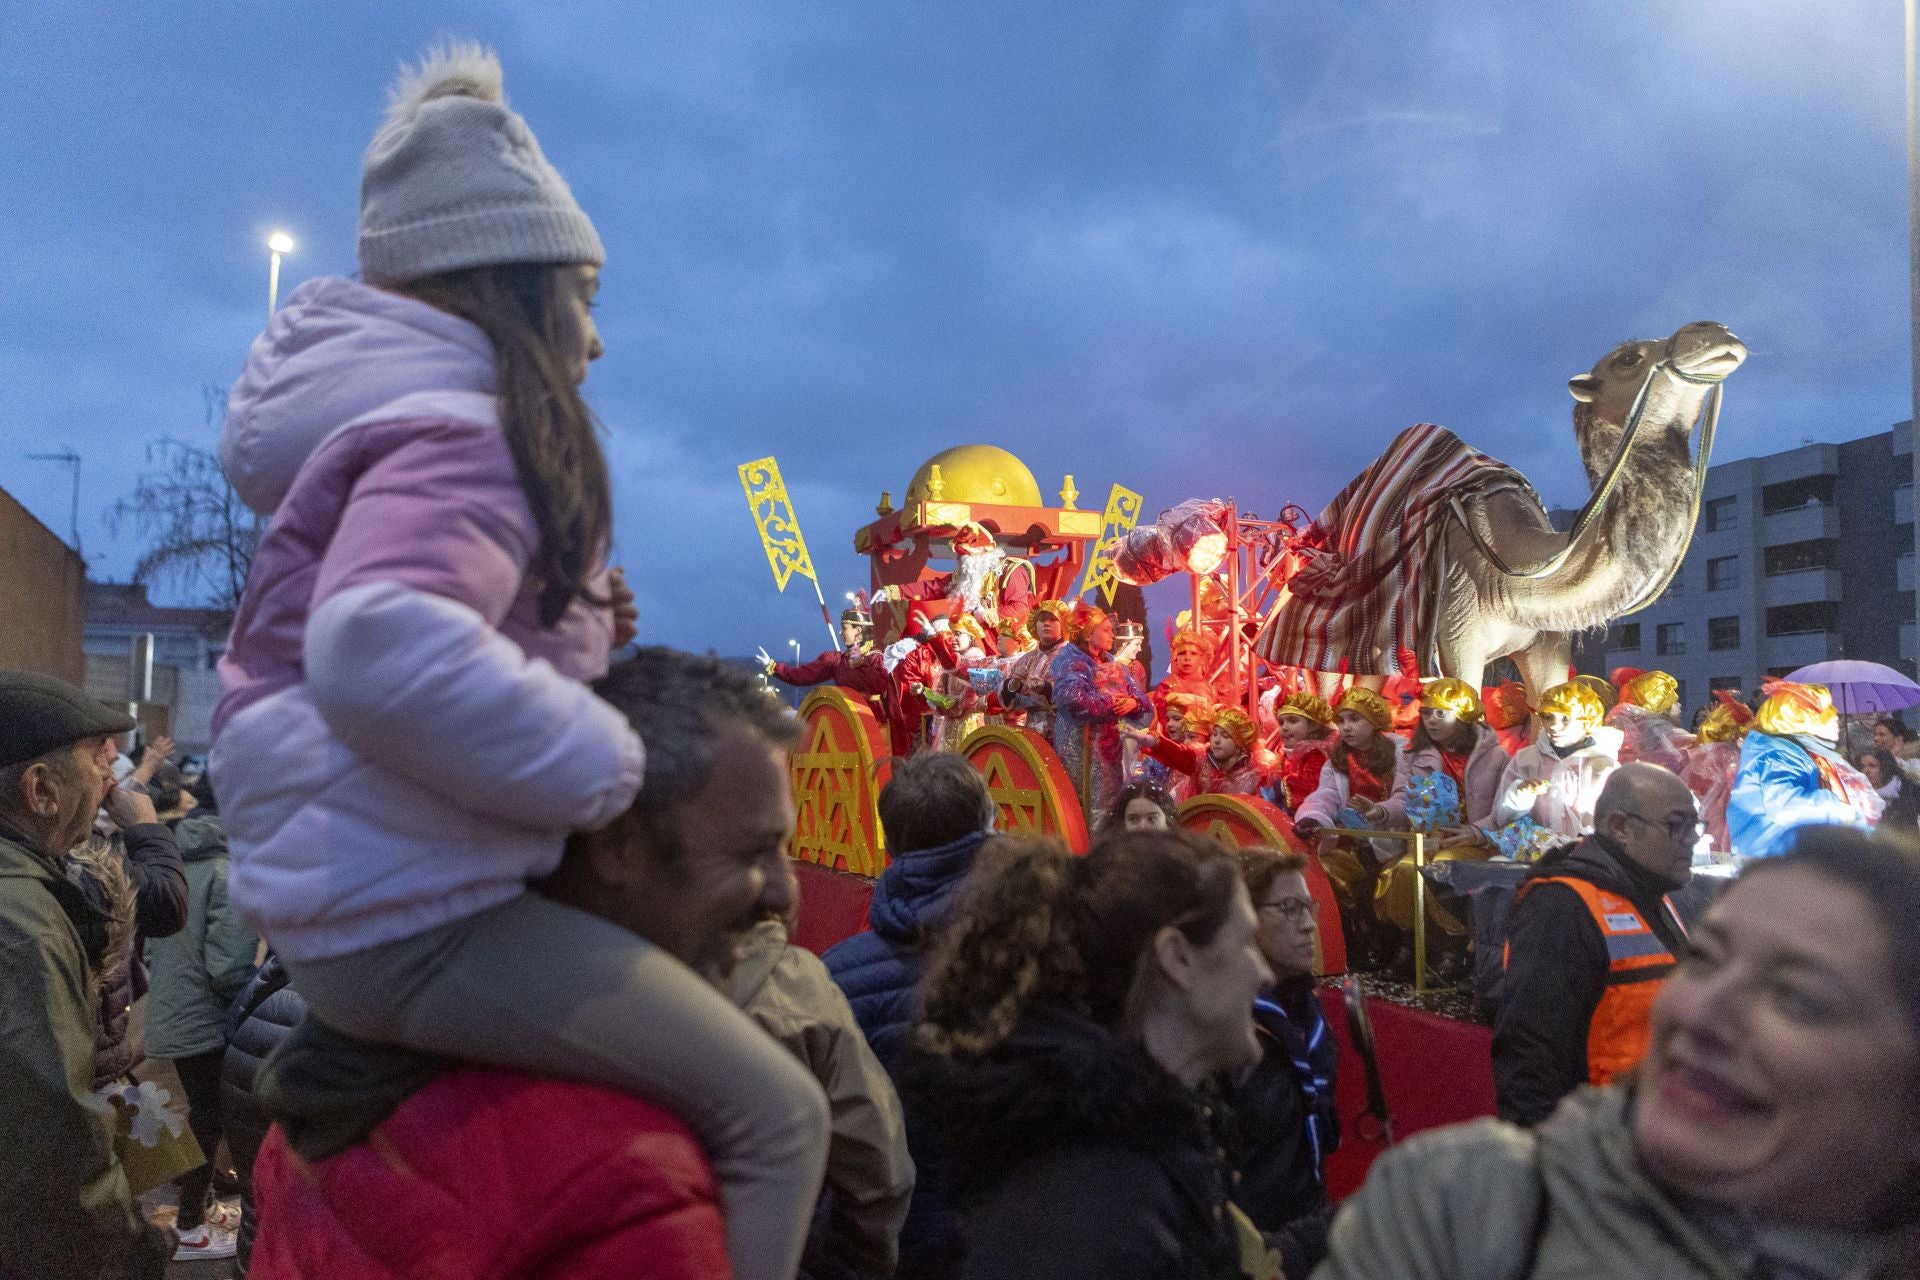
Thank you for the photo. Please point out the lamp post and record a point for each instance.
(278, 243)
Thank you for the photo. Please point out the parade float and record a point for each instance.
(1436, 560)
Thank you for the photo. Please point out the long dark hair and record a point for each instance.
(553, 436)
(1037, 925)
(1377, 756)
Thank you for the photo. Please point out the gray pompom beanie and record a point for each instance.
(455, 179)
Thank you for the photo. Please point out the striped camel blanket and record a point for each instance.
(1367, 598)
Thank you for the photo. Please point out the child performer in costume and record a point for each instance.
(1446, 786)
(1712, 764)
(1644, 717)
(1223, 765)
(1791, 775)
(434, 573)
(1556, 779)
(1092, 697)
(1354, 783)
(1306, 737)
(915, 663)
(1189, 665)
(1028, 687)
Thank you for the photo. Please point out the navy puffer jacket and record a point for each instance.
(261, 1017)
(880, 972)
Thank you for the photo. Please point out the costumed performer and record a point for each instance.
(1306, 737)
(1605, 690)
(1551, 785)
(1223, 765)
(1505, 707)
(1092, 697)
(1028, 687)
(1012, 641)
(988, 583)
(1445, 786)
(1189, 664)
(1189, 719)
(958, 705)
(1355, 781)
(914, 663)
(859, 668)
(1791, 775)
(1713, 762)
(1644, 717)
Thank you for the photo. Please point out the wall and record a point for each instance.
(42, 597)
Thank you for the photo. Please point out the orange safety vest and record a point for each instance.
(1637, 967)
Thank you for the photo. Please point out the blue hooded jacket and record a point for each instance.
(880, 972)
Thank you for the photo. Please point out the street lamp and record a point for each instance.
(795, 646)
(277, 243)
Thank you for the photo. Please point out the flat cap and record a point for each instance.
(39, 714)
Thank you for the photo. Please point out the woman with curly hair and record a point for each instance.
(1070, 1023)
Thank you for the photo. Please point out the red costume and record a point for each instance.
(1193, 759)
(1301, 773)
(998, 586)
(495, 1173)
(863, 674)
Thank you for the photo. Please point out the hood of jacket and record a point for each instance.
(337, 350)
(918, 889)
(1591, 1170)
(1057, 1080)
(1599, 860)
(200, 837)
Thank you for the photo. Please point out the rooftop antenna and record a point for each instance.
(69, 458)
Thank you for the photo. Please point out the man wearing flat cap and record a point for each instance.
(69, 1212)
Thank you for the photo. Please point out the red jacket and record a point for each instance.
(495, 1174)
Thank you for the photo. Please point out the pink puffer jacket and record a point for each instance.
(400, 743)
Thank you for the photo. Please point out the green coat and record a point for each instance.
(196, 973)
(68, 1213)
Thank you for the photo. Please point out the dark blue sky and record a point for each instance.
(1200, 249)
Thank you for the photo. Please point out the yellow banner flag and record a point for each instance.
(1122, 513)
(773, 517)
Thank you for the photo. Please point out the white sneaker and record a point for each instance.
(205, 1243)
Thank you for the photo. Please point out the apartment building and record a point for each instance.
(1799, 557)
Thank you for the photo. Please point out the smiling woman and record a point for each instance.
(1774, 1128)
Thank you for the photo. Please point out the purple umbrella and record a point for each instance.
(1861, 688)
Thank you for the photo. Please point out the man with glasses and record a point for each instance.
(1591, 940)
(1284, 1123)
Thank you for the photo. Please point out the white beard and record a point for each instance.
(973, 575)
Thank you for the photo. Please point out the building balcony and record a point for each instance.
(1800, 587)
(1802, 524)
(1800, 650)
(1903, 573)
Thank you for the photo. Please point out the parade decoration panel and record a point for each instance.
(836, 785)
(1122, 513)
(1032, 794)
(774, 518)
(1241, 821)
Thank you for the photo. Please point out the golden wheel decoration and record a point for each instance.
(1240, 821)
(836, 785)
(1030, 787)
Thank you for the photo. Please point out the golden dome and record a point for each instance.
(978, 473)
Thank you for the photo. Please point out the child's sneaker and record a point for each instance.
(205, 1243)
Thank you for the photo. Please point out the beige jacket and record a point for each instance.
(1570, 1199)
(787, 990)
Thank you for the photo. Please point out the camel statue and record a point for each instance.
(1437, 559)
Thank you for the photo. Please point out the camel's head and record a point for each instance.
(1700, 354)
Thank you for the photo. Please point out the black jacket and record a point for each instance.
(1074, 1154)
(1556, 972)
(1284, 1124)
(261, 1017)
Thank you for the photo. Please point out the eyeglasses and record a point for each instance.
(1294, 909)
(1677, 828)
